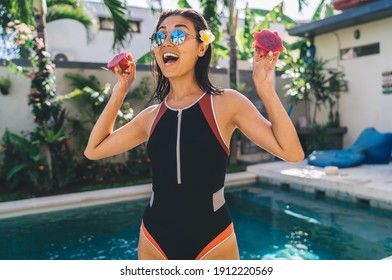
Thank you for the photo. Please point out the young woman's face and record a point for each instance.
(176, 59)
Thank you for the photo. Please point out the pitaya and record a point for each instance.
(266, 41)
(123, 60)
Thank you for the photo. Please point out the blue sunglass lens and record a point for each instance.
(177, 36)
(157, 39)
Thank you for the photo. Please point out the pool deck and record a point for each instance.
(366, 184)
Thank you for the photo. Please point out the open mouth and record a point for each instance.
(170, 58)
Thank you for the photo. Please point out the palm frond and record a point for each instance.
(329, 11)
(57, 12)
(301, 4)
(73, 3)
(317, 13)
(145, 58)
(81, 82)
(23, 11)
(288, 21)
(155, 5)
(119, 12)
(183, 4)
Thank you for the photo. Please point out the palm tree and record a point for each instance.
(50, 10)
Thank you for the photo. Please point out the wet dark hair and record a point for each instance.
(202, 68)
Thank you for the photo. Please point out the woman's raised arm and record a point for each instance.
(278, 135)
(103, 141)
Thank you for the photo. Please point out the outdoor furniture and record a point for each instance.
(371, 147)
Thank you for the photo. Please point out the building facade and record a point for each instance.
(358, 42)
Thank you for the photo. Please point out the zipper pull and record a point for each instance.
(179, 113)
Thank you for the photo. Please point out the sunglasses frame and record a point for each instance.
(171, 37)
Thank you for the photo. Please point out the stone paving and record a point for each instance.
(366, 184)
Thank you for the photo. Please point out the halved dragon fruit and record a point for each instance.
(266, 41)
(123, 60)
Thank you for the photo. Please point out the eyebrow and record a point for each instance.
(176, 26)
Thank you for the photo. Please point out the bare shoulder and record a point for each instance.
(231, 95)
(231, 100)
(145, 118)
(149, 112)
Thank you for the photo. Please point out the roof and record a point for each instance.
(362, 14)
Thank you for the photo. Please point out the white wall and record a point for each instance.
(70, 37)
(364, 104)
(15, 114)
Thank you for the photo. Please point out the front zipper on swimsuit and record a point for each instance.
(179, 115)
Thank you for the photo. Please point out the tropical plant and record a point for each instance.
(142, 90)
(22, 162)
(312, 81)
(90, 98)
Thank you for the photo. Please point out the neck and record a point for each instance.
(183, 87)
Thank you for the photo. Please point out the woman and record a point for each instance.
(188, 136)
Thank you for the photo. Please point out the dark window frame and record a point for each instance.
(133, 23)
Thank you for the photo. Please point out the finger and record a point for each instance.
(131, 72)
(275, 59)
(267, 58)
(118, 73)
(257, 57)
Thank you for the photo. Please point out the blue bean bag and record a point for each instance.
(376, 146)
(339, 158)
(371, 147)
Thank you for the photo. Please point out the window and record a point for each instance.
(360, 51)
(107, 24)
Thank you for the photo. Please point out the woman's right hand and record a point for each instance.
(124, 80)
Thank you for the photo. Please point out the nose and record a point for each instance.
(167, 40)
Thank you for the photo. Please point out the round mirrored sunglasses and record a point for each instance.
(177, 37)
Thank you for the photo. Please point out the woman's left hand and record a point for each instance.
(263, 68)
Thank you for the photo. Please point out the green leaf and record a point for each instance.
(72, 3)
(119, 12)
(80, 82)
(23, 11)
(72, 95)
(17, 168)
(301, 4)
(184, 4)
(317, 13)
(330, 11)
(145, 59)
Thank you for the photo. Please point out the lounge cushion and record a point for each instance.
(376, 146)
(339, 158)
(371, 147)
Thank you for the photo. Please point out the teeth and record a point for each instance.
(165, 55)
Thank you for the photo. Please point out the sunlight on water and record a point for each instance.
(291, 253)
(298, 248)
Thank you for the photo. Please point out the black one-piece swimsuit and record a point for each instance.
(187, 216)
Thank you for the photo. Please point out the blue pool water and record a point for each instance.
(270, 223)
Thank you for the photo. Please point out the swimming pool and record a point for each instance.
(270, 223)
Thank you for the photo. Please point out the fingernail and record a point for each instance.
(270, 53)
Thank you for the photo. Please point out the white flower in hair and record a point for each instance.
(206, 36)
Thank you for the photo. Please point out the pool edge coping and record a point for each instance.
(90, 198)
